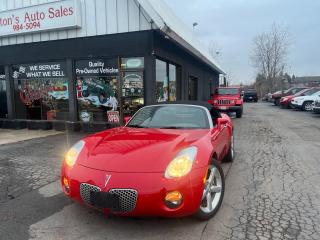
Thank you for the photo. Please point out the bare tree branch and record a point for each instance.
(269, 54)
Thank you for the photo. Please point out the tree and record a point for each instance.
(269, 54)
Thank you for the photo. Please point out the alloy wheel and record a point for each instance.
(212, 191)
(308, 106)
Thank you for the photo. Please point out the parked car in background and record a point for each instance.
(278, 95)
(228, 99)
(305, 103)
(250, 95)
(316, 106)
(267, 97)
(286, 101)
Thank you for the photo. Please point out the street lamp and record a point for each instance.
(194, 25)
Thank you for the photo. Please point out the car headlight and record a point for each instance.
(73, 153)
(181, 165)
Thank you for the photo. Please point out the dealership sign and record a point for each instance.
(39, 70)
(42, 17)
(97, 67)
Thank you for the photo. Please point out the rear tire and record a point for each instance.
(213, 192)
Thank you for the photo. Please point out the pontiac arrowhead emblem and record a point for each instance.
(107, 180)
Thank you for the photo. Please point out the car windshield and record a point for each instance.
(304, 91)
(227, 91)
(316, 93)
(311, 92)
(170, 117)
(250, 92)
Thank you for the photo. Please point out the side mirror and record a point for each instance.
(222, 121)
(127, 119)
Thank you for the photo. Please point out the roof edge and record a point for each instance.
(184, 37)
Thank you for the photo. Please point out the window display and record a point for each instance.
(97, 87)
(41, 91)
(166, 81)
(132, 92)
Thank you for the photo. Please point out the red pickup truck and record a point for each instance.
(228, 99)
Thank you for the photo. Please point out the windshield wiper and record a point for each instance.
(171, 127)
(136, 126)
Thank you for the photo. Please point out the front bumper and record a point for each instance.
(228, 108)
(295, 105)
(285, 103)
(316, 109)
(151, 189)
(250, 99)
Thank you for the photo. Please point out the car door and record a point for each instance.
(220, 136)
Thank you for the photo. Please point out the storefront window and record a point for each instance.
(132, 92)
(172, 82)
(97, 86)
(41, 91)
(166, 81)
(3, 94)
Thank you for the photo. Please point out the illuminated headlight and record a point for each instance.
(73, 153)
(181, 165)
(215, 101)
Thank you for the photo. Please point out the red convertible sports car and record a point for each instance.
(164, 162)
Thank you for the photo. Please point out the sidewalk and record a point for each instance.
(12, 136)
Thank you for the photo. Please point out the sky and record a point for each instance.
(231, 26)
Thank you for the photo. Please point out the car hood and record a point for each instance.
(137, 150)
(304, 98)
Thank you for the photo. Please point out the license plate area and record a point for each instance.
(105, 200)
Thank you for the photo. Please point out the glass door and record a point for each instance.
(132, 98)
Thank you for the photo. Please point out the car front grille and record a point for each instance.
(127, 197)
(224, 102)
(86, 189)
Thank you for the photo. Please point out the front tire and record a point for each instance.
(307, 106)
(230, 155)
(213, 192)
(239, 113)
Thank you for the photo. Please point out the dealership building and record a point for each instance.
(89, 63)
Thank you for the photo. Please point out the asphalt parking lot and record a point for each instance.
(272, 188)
